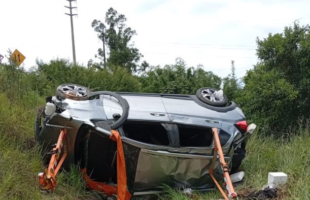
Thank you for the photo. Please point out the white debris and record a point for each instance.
(251, 128)
(237, 177)
(276, 179)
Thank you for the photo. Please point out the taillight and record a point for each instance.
(242, 126)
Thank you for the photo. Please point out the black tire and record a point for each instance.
(72, 91)
(38, 122)
(206, 95)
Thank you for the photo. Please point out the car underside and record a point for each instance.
(165, 139)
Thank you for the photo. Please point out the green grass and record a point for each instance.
(20, 160)
(292, 157)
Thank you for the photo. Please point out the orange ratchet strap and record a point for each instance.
(121, 189)
(218, 152)
(47, 179)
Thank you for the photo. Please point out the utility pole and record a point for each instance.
(72, 31)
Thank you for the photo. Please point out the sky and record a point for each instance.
(207, 32)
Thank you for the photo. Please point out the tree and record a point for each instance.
(231, 86)
(289, 53)
(277, 91)
(100, 28)
(117, 37)
(177, 79)
(268, 99)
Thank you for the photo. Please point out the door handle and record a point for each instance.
(158, 114)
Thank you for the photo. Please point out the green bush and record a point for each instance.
(276, 92)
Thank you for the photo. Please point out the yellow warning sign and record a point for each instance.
(17, 57)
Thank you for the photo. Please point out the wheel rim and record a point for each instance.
(212, 95)
(74, 91)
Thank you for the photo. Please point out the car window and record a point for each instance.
(166, 134)
(147, 132)
(193, 136)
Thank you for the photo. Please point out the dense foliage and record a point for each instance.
(43, 80)
(177, 79)
(276, 93)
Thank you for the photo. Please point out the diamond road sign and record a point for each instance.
(17, 57)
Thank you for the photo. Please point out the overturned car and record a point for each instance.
(141, 140)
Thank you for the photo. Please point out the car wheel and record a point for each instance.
(38, 122)
(72, 91)
(212, 97)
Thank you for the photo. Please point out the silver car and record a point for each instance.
(167, 138)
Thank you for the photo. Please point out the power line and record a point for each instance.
(264, 19)
(204, 47)
(72, 31)
(195, 44)
(218, 56)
